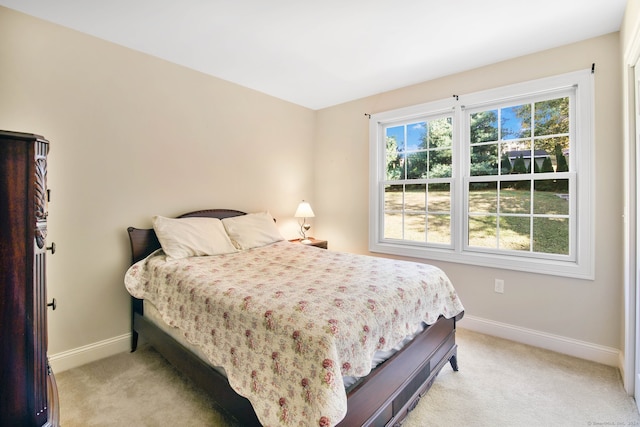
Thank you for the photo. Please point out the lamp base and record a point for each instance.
(305, 241)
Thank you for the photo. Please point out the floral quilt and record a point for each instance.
(288, 321)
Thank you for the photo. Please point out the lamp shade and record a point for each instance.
(304, 210)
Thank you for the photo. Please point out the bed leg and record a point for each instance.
(136, 308)
(453, 360)
(134, 341)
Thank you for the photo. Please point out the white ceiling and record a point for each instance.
(322, 53)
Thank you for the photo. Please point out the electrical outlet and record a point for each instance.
(499, 286)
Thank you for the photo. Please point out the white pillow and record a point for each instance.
(252, 230)
(197, 236)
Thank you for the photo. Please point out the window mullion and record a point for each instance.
(460, 166)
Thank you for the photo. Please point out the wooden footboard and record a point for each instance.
(394, 388)
(383, 398)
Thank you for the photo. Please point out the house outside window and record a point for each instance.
(500, 178)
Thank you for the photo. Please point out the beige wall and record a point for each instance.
(582, 310)
(133, 136)
(630, 23)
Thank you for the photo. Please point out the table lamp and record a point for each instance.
(304, 211)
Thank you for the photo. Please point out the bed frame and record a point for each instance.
(383, 398)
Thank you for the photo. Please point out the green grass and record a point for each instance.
(550, 235)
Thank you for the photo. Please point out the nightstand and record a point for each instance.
(314, 242)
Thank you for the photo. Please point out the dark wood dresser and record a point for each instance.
(28, 393)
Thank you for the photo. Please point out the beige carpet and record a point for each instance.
(500, 383)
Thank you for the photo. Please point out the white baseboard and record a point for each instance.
(581, 349)
(89, 353)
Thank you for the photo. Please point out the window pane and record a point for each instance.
(416, 136)
(484, 160)
(514, 198)
(551, 235)
(483, 197)
(397, 134)
(440, 132)
(394, 159)
(393, 226)
(505, 161)
(439, 198)
(515, 122)
(543, 153)
(560, 153)
(439, 229)
(440, 163)
(483, 231)
(393, 197)
(552, 117)
(520, 157)
(415, 197)
(484, 126)
(414, 227)
(553, 154)
(514, 148)
(515, 233)
(551, 197)
(417, 165)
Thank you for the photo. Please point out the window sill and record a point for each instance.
(561, 268)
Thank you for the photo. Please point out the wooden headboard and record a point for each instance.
(144, 240)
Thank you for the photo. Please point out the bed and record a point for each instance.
(312, 360)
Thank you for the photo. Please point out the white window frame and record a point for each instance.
(579, 263)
